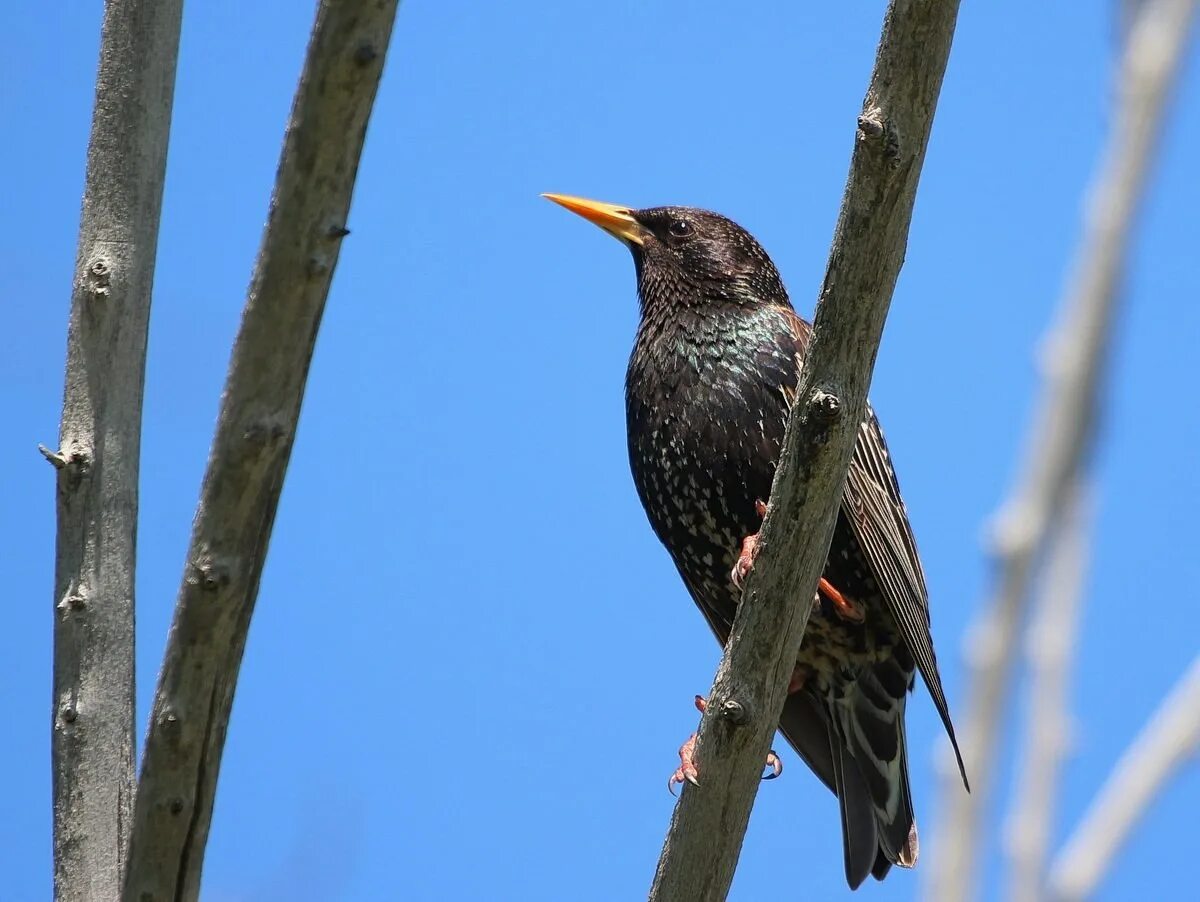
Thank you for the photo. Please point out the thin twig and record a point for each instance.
(1171, 738)
(253, 441)
(705, 837)
(1053, 635)
(92, 745)
(1075, 363)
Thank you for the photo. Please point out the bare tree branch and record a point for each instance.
(707, 827)
(255, 430)
(1053, 634)
(1075, 364)
(92, 744)
(1170, 738)
(1127, 15)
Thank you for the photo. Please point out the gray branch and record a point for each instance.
(1052, 647)
(707, 827)
(1171, 738)
(1075, 363)
(255, 430)
(92, 744)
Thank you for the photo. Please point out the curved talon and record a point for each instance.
(745, 561)
(687, 771)
(775, 763)
(687, 755)
(687, 764)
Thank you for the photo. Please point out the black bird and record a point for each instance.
(710, 383)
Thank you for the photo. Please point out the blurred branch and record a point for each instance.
(1170, 738)
(705, 837)
(1127, 15)
(92, 742)
(1075, 362)
(255, 430)
(1052, 641)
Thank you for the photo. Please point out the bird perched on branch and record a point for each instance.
(710, 384)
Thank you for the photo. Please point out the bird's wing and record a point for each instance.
(872, 504)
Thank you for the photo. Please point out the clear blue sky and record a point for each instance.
(471, 663)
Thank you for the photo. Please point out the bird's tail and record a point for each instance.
(856, 745)
(871, 767)
(860, 832)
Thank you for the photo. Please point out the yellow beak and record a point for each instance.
(617, 221)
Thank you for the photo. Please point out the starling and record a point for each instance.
(708, 390)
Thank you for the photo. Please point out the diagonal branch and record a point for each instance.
(1075, 364)
(705, 837)
(1052, 641)
(255, 430)
(92, 743)
(1171, 738)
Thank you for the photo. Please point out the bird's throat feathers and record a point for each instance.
(664, 290)
(712, 351)
(715, 317)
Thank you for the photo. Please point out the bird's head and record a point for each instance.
(687, 257)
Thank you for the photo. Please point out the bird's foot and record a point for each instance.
(687, 772)
(745, 561)
(846, 608)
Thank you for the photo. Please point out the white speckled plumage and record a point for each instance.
(710, 381)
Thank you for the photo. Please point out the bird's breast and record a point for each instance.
(706, 423)
(706, 413)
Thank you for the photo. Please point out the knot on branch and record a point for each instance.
(879, 135)
(72, 601)
(318, 266)
(365, 54)
(99, 276)
(264, 433)
(71, 465)
(321, 263)
(210, 573)
(870, 124)
(734, 712)
(168, 727)
(824, 406)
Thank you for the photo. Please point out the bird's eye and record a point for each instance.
(680, 227)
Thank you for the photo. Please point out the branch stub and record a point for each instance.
(824, 406)
(734, 712)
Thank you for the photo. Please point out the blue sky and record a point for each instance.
(471, 664)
